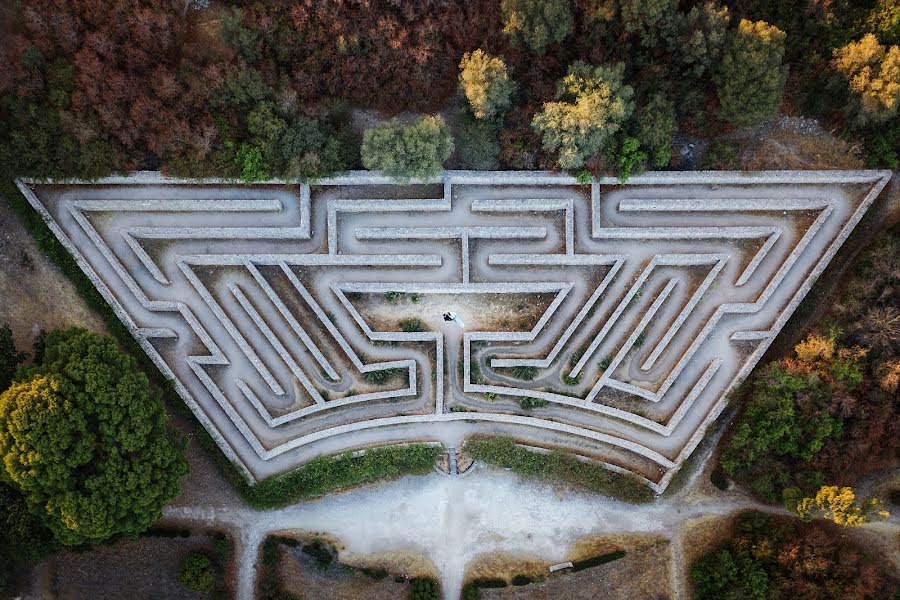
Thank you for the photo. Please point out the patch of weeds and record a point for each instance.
(524, 372)
(639, 340)
(412, 326)
(414, 298)
(584, 177)
(490, 396)
(604, 363)
(393, 296)
(470, 592)
(529, 403)
(638, 293)
(381, 376)
(572, 380)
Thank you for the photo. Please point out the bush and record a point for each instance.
(702, 33)
(486, 84)
(424, 589)
(415, 151)
(651, 20)
(198, 574)
(529, 403)
(655, 129)
(537, 23)
(750, 80)
(83, 435)
(784, 558)
(597, 103)
(872, 73)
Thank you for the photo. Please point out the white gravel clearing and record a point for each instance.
(452, 520)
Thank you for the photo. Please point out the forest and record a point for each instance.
(252, 90)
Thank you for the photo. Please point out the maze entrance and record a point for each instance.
(610, 320)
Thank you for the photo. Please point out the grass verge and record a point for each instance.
(557, 466)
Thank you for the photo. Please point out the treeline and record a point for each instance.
(256, 89)
(829, 414)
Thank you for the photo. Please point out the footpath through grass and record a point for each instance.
(557, 466)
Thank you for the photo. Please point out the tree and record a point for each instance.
(872, 73)
(486, 83)
(702, 33)
(595, 102)
(415, 151)
(651, 20)
(537, 23)
(9, 357)
(750, 80)
(197, 574)
(83, 437)
(839, 505)
(655, 129)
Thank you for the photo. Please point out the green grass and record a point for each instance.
(328, 473)
(557, 466)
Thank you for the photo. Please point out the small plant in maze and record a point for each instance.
(490, 396)
(529, 403)
(638, 293)
(639, 340)
(525, 373)
(382, 376)
(569, 380)
(393, 296)
(412, 326)
(604, 363)
(584, 177)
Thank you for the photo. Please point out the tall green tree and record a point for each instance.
(537, 23)
(486, 84)
(750, 80)
(652, 21)
(83, 437)
(872, 73)
(593, 104)
(414, 151)
(655, 129)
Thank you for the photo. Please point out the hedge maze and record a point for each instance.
(607, 319)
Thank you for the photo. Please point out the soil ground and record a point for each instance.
(146, 568)
(34, 294)
(639, 575)
(299, 574)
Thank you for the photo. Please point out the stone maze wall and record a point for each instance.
(608, 319)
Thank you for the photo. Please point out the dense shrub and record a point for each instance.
(197, 574)
(557, 466)
(83, 436)
(655, 129)
(10, 357)
(872, 73)
(537, 23)
(770, 558)
(486, 84)
(702, 33)
(415, 151)
(424, 589)
(652, 21)
(750, 80)
(593, 104)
